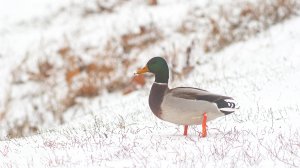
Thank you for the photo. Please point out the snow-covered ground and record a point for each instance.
(51, 36)
(262, 74)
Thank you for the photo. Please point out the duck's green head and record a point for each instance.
(159, 67)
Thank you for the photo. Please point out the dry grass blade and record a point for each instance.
(229, 27)
(146, 36)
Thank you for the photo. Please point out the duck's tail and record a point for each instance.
(227, 106)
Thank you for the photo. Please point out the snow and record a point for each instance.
(262, 74)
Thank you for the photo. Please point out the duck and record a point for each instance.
(183, 105)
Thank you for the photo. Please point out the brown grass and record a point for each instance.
(229, 27)
(147, 35)
(224, 26)
(101, 6)
(152, 2)
(25, 127)
(172, 56)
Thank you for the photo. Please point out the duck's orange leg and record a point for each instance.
(204, 133)
(185, 130)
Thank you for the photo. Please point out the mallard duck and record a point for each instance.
(183, 105)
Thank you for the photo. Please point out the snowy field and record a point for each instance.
(116, 130)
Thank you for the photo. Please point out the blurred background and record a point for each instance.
(59, 58)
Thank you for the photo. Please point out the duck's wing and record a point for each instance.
(196, 94)
(225, 104)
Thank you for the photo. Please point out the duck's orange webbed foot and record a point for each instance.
(185, 130)
(204, 133)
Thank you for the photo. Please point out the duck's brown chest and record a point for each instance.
(156, 97)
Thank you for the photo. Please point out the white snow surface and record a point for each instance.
(262, 74)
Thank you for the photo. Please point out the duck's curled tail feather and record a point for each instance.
(227, 106)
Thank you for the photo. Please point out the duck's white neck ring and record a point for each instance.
(161, 83)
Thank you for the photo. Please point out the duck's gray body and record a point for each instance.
(186, 105)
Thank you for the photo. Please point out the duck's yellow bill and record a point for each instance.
(143, 70)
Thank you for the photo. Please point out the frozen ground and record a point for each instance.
(262, 73)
